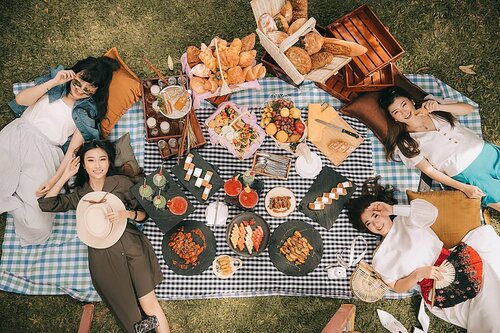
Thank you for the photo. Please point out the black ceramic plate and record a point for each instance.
(259, 221)
(324, 182)
(163, 218)
(216, 181)
(281, 234)
(258, 186)
(205, 259)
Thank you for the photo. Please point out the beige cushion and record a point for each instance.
(125, 159)
(457, 214)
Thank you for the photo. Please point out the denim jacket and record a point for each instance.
(84, 110)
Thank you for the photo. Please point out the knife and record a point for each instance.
(340, 129)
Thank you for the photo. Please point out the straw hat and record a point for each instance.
(92, 226)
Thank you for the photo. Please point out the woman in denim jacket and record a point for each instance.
(62, 110)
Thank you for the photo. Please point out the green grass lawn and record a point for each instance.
(438, 36)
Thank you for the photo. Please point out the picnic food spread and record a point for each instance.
(186, 248)
(296, 248)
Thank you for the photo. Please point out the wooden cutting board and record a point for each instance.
(322, 136)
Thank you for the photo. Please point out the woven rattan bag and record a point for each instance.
(366, 283)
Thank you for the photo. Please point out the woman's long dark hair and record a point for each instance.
(370, 192)
(98, 72)
(397, 133)
(82, 176)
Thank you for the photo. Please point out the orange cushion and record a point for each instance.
(124, 91)
(457, 214)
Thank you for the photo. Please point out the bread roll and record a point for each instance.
(198, 85)
(211, 84)
(287, 11)
(192, 56)
(201, 70)
(267, 24)
(247, 58)
(254, 73)
(313, 42)
(248, 42)
(277, 37)
(299, 9)
(321, 59)
(208, 59)
(300, 59)
(235, 75)
(343, 47)
(296, 25)
(229, 58)
(281, 23)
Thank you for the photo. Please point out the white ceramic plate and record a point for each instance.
(280, 191)
(175, 91)
(306, 170)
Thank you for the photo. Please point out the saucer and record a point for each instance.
(308, 170)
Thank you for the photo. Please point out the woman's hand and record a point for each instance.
(430, 106)
(429, 272)
(118, 215)
(46, 186)
(71, 168)
(380, 208)
(472, 191)
(63, 76)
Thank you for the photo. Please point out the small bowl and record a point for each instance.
(242, 195)
(234, 263)
(238, 187)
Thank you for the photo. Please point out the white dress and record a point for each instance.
(411, 244)
(30, 155)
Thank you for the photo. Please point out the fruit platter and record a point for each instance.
(282, 121)
(235, 129)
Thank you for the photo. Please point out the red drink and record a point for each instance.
(177, 205)
(248, 198)
(233, 187)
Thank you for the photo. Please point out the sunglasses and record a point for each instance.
(80, 85)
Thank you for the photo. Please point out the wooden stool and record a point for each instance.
(342, 320)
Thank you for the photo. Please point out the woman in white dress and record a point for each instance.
(410, 251)
(62, 110)
(432, 140)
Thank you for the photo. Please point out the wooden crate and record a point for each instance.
(273, 7)
(377, 81)
(364, 27)
(336, 86)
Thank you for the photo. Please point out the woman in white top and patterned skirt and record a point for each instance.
(432, 140)
(411, 253)
(62, 110)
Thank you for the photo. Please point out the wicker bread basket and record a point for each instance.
(320, 75)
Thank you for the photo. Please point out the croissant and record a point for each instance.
(287, 11)
(253, 73)
(192, 56)
(248, 42)
(321, 59)
(235, 75)
(296, 25)
(221, 44)
(247, 58)
(211, 84)
(229, 58)
(207, 57)
(236, 44)
(198, 85)
(299, 9)
(313, 42)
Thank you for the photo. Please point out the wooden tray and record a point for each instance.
(364, 27)
(326, 180)
(336, 87)
(216, 181)
(257, 154)
(167, 152)
(163, 218)
(321, 135)
(377, 81)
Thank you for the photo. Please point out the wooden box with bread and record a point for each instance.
(281, 27)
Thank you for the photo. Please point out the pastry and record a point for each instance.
(321, 59)
(267, 24)
(198, 85)
(343, 47)
(253, 73)
(211, 84)
(299, 9)
(247, 58)
(236, 44)
(200, 70)
(300, 59)
(248, 42)
(235, 75)
(207, 57)
(287, 11)
(229, 58)
(277, 37)
(313, 42)
(281, 22)
(221, 44)
(296, 25)
(192, 56)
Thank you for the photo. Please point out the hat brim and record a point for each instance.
(117, 228)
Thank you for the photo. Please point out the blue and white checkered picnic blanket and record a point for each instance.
(60, 266)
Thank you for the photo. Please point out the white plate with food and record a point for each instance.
(169, 104)
(280, 202)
